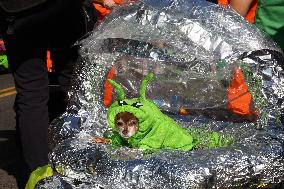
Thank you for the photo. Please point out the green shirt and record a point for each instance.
(270, 18)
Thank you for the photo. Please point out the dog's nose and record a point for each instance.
(124, 132)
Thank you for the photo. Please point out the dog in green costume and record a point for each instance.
(156, 130)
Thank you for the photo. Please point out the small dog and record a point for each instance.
(127, 125)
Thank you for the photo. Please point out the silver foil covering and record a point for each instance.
(192, 47)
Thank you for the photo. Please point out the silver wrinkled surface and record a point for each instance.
(181, 42)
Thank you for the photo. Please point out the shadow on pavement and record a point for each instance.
(11, 159)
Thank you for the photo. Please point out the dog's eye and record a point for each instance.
(136, 104)
(133, 123)
(119, 124)
(122, 103)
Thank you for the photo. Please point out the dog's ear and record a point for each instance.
(118, 88)
(143, 86)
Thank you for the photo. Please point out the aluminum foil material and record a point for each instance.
(193, 48)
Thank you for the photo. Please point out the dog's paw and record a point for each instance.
(101, 140)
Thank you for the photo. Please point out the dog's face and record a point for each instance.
(127, 124)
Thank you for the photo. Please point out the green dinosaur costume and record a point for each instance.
(156, 130)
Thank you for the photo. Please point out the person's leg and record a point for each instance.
(32, 111)
(65, 59)
(70, 26)
(28, 68)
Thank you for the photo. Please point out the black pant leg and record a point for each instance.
(26, 52)
(69, 27)
(32, 110)
(56, 26)
(29, 70)
(65, 59)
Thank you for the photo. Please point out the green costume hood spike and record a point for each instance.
(143, 86)
(118, 88)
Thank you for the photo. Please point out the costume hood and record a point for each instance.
(156, 130)
(143, 109)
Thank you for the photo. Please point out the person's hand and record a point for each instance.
(109, 4)
(101, 140)
(241, 6)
